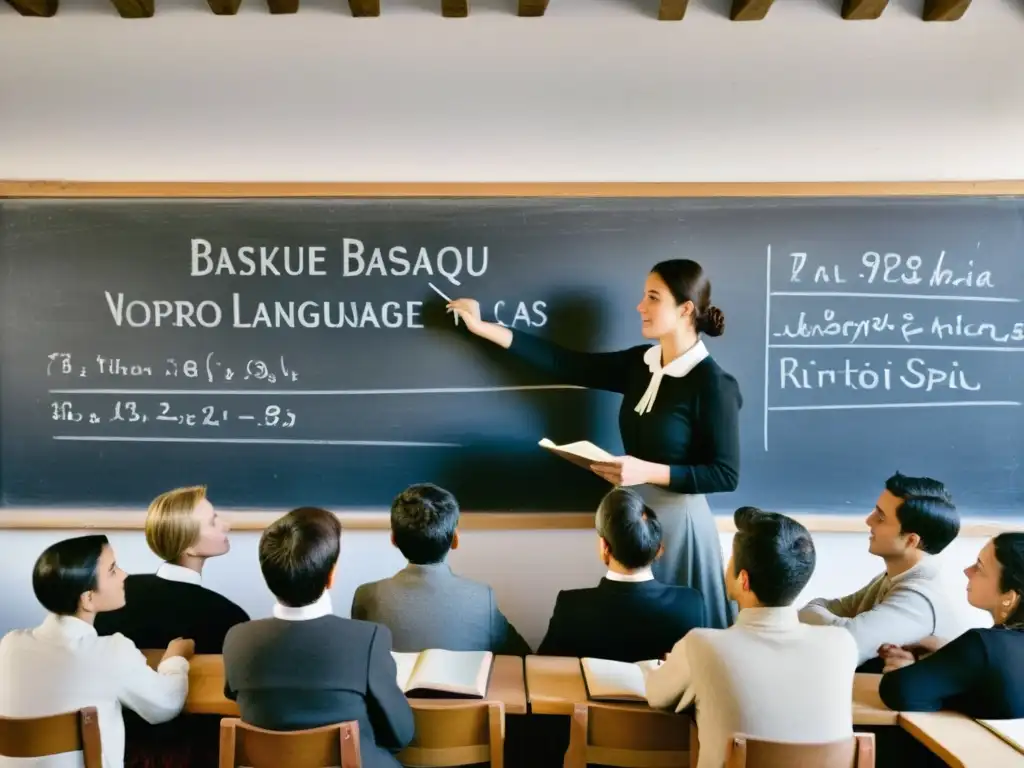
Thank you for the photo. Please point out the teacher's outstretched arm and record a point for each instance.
(593, 370)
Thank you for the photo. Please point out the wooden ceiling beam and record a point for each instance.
(134, 9)
(455, 9)
(672, 10)
(45, 8)
(749, 10)
(944, 10)
(862, 10)
(532, 8)
(224, 7)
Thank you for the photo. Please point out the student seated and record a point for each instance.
(628, 616)
(768, 676)
(306, 667)
(63, 665)
(913, 519)
(981, 673)
(184, 531)
(425, 605)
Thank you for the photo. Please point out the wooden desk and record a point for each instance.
(206, 686)
(959, 741)
(555, 683)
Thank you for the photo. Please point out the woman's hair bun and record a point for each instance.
(712, 321)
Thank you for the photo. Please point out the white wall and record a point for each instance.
(596, 90)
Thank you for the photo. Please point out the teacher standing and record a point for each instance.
(679, 419)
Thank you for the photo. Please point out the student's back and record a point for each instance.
(306, 667)
(425, 605)
(158, 610)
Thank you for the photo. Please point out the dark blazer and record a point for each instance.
(292, 675)
(622, 620)
(428, 606)
(158, 610)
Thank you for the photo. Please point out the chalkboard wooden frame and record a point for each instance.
(255, 520)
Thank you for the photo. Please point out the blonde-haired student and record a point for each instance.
(184, 530)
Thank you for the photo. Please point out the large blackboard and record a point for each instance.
(868, 335)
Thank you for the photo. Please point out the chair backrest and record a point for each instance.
(332, 745)
(449, 735)
(627, 736)
(858, 751)
(77, 731)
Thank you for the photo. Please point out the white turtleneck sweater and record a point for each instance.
(768, 676)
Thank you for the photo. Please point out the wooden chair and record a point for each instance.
(77, 731)
(627, 736)
(332, 745)
(457, 735)
(858, 751)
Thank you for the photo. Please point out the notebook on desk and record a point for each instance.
(1010, 731)
(438, 673)
(607, 680)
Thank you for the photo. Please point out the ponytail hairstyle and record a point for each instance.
(1009, 549)
(686, 281)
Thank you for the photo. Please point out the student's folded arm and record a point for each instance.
(926, 685)
(154, 695)
(823, 610)
(388, 709)
(668, 684)
(904, 617)
(504, 637)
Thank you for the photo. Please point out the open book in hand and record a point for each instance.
(581, 453)
(435, 672)
(616, 680)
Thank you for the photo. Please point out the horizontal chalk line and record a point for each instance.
(312, 392)
(254, 440)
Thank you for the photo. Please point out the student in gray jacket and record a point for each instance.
(913, 520)
(425, 605)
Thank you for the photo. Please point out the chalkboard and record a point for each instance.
(868, 336)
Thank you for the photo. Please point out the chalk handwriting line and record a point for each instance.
(936, 347)
(865, 406)
(254, 440)
(767, 338)
(314, 392)
(924, 296)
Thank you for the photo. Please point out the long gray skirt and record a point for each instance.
(693, 551)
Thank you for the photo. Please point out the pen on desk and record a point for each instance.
(440, 293)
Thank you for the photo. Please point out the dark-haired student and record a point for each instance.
(425, 605)
(767, 676)
(305, 667)
(63, 665)
(914, 519)
(628, 616)
(980, 673)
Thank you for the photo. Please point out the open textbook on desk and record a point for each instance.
(1010, 731)
(616, 680)
(437, 673)
(581, 453)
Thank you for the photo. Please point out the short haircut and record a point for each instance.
(298, 553)
(65, 571)
(927, 509)
(423, 521)
(630, 527)
(777, 553)
(171, 528)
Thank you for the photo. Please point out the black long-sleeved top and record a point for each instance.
(980, 674)
(693, 426)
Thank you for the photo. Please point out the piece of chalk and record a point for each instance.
(440, 293)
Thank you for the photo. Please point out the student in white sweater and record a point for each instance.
(768, 676)
(913, 520)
